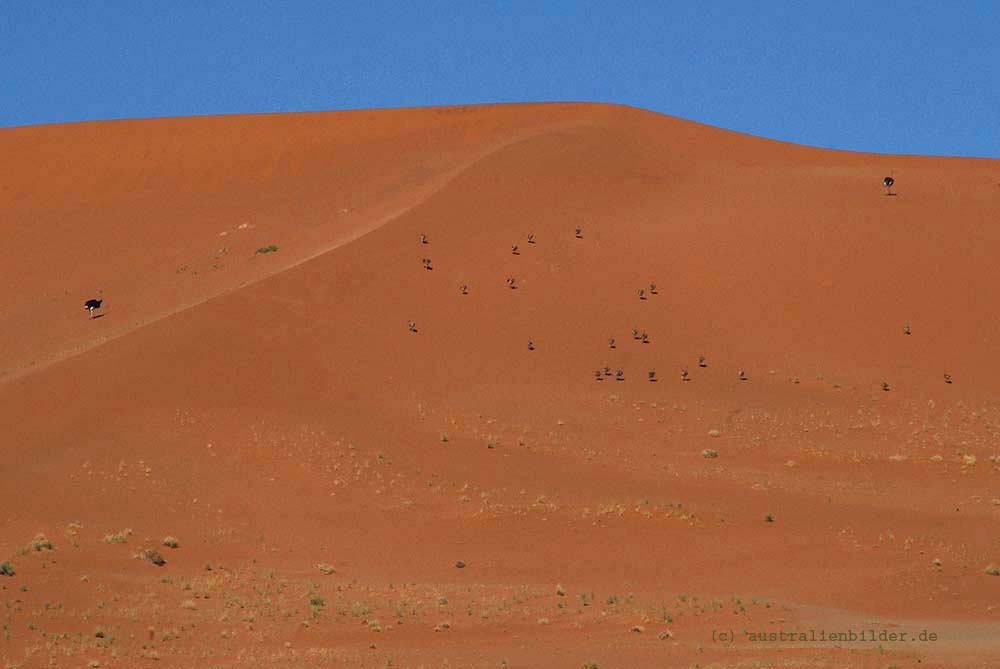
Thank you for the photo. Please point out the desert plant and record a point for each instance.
(270, 248)
(40, 543)
(768, 518)
(171, 542)
(326, 568)
(684, 375)
(709, 453)
(444, 436)
(701, 361)
(992, 569)
(119, 537)
(6, 568)
(151, 555)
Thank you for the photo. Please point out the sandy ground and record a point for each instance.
(324, 469)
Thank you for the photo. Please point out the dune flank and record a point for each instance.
(380, 435)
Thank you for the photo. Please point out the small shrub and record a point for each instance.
(270, 248)
(171, 542)
(151, 555)
(118, 537)
(590, 665)
(326, 568)
(560, 591)
(992, 569)
(316, 600)
(768, 518)
(709, 453)
(6, 568)
(41, 543)
(444, 436)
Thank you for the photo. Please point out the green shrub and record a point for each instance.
(270, 248)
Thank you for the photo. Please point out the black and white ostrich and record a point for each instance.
(94, 304)
(888, 182)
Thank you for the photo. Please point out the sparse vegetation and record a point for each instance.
(171, 542)
(326, 568)
(270, 248)
(41, 543)
(444, 436)
(119, 537)
(992, 569)
(6, 568)
(151, 555)
(709, 453)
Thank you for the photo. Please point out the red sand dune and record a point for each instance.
(273, 412)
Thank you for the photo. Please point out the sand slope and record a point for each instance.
(273, 411)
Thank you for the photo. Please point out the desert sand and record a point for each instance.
(324, 468)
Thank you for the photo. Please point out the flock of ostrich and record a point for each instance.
(599, 374)
(619, 374)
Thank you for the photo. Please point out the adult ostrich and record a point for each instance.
(94, 304)
(888, 182)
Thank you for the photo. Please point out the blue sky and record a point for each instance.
(878, 75)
